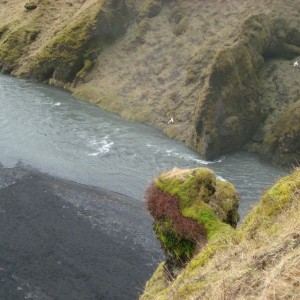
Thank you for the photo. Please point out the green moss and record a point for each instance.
(66, 53)
(72, 51)
(16, 43)
(204, 256)
(203, 198)
(204, 215)
(191, 186)
(270, 232)
(88, 64)
(181, 248)
(276, 201)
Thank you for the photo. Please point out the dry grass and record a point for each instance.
(161, 77)
(157, 72)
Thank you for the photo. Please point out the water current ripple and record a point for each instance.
(47, 129)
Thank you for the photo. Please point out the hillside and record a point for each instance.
(222, 69)
(258, 260)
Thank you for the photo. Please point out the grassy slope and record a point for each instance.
(49, 18)
(260, 260)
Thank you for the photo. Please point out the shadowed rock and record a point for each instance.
(30, 5)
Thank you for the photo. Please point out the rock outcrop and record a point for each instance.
(190, 208)
(222, 69)
(258, 260)
(232, 103)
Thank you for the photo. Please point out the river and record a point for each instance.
(47, 130)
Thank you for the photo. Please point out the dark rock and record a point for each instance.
(30, 5)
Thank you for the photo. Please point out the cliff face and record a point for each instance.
(258, 260)
(222, 69)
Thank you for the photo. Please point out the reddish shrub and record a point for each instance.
(161, 204)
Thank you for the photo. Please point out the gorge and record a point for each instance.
(225, 71)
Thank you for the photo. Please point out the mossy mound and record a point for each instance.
(258, 260)
(190, 207)
(70, 54)
(16, 42)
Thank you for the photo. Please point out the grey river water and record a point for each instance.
(80, 231)
(47, 129)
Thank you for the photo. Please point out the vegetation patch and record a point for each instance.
(15, 43)
(71, 53)
(259, 260)
(184, 220)
(230, 109)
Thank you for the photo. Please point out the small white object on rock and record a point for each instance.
(296, 63)
(171, 120)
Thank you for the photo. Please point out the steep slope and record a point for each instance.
(259, 260)
(222, 69)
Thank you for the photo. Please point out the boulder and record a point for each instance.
(190, 207)
(30, 5)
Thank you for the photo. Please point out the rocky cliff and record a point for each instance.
(224, 70)
(258, 260)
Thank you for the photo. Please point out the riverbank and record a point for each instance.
(63, 240)
(223, 70)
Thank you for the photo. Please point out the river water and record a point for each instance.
(47, 129)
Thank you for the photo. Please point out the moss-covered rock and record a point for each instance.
(258, 260)
(71, 52)
(190, 207)
(15, 43)
(279, 199)
(229, 110)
